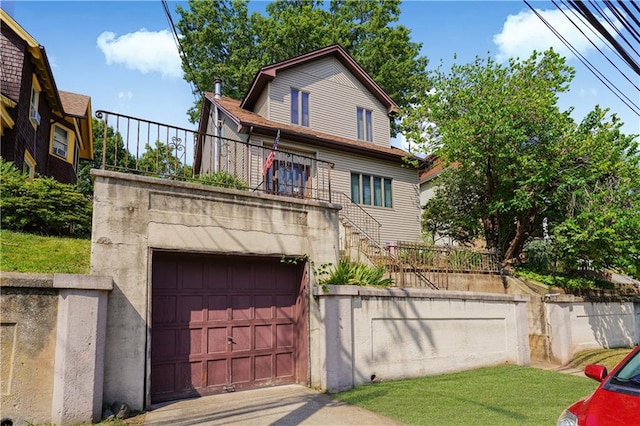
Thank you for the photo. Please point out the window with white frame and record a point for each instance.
(61, 139)
(371, 190)
(34, 115)
(299, 107)
(365, 132)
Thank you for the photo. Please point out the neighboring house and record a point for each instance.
(325, 108)
(44, 131)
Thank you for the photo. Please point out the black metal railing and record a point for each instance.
(359, 217)
(136, 145)
(451, 259)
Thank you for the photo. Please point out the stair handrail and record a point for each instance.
(349, 204)
(398, 263)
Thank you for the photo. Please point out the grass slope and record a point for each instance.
(20, 252)
(503, 395)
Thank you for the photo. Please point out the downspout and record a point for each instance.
(216, 132)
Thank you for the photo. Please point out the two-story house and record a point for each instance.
(44, 131)
(315, 109)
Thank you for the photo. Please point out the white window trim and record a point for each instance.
(69, 142)
(34, 102)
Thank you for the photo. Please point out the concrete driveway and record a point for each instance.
(281, 405)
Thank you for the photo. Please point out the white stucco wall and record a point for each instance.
(400, 333)
(576, 325)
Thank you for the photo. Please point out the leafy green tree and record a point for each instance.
(502, 127)
(222, 39)
(518, 159)
(164, 160)
(599, 220)
(116, 155)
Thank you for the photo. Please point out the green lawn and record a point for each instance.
(20, 252)
(503, 395)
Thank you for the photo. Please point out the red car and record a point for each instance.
(616, 401)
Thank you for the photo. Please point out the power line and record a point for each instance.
(183, 55)
(621, 53)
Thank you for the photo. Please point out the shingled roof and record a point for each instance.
(74, 103)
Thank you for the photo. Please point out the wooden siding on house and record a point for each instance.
(334, 95)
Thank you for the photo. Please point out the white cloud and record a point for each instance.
(525, 32)
(125, 95)
(144, 51)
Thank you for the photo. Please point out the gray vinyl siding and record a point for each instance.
(262, 104)
(398, 223)
(334, 96)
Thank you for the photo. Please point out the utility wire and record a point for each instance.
(612, 87)
(197, 92)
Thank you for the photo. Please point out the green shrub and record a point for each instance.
(223, 179)
(353, 273)
(42, 205)
(539, 255)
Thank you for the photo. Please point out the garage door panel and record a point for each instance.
(285, 305)
(164, 344)
(164, 309)
(217, 340)
(263, 336)
(190, 342)
(284, 365)
(251, 300)
(240, 369)
(263, 367)
(217, 276)
(241, 339)
(263, 305)
(217, 372)
(284, 335)
(242, 279)
(191, 308)
(163, 378)
(241, 308)
(217, 308)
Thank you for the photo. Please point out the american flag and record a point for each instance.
(272, 154)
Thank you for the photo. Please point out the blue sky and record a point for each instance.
(122, 55)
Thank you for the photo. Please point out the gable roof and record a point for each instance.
(248, 119)
(78, 106)
(38, 58)
(269, 72)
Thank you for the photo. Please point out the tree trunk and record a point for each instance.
(523, 230)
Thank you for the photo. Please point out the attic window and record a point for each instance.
(364, 125)
(299, 107)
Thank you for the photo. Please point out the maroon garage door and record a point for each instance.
(225, 323)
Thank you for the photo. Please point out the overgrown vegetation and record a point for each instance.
(22, 252)
(347, 272)
(42, 205)
(504, 395)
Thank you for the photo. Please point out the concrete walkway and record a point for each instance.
(559, 368)
(280, 405)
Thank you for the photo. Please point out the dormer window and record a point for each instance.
(299, 107)
(364, 125)
(34, 115)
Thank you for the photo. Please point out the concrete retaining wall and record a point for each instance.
(389, 334)
(52, 333)
(576, 325)
(135, 215)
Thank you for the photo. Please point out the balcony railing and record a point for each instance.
(136, 145)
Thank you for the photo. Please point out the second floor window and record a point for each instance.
(364, 125)
(60, 141)
(299, 107)
(34, 115)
